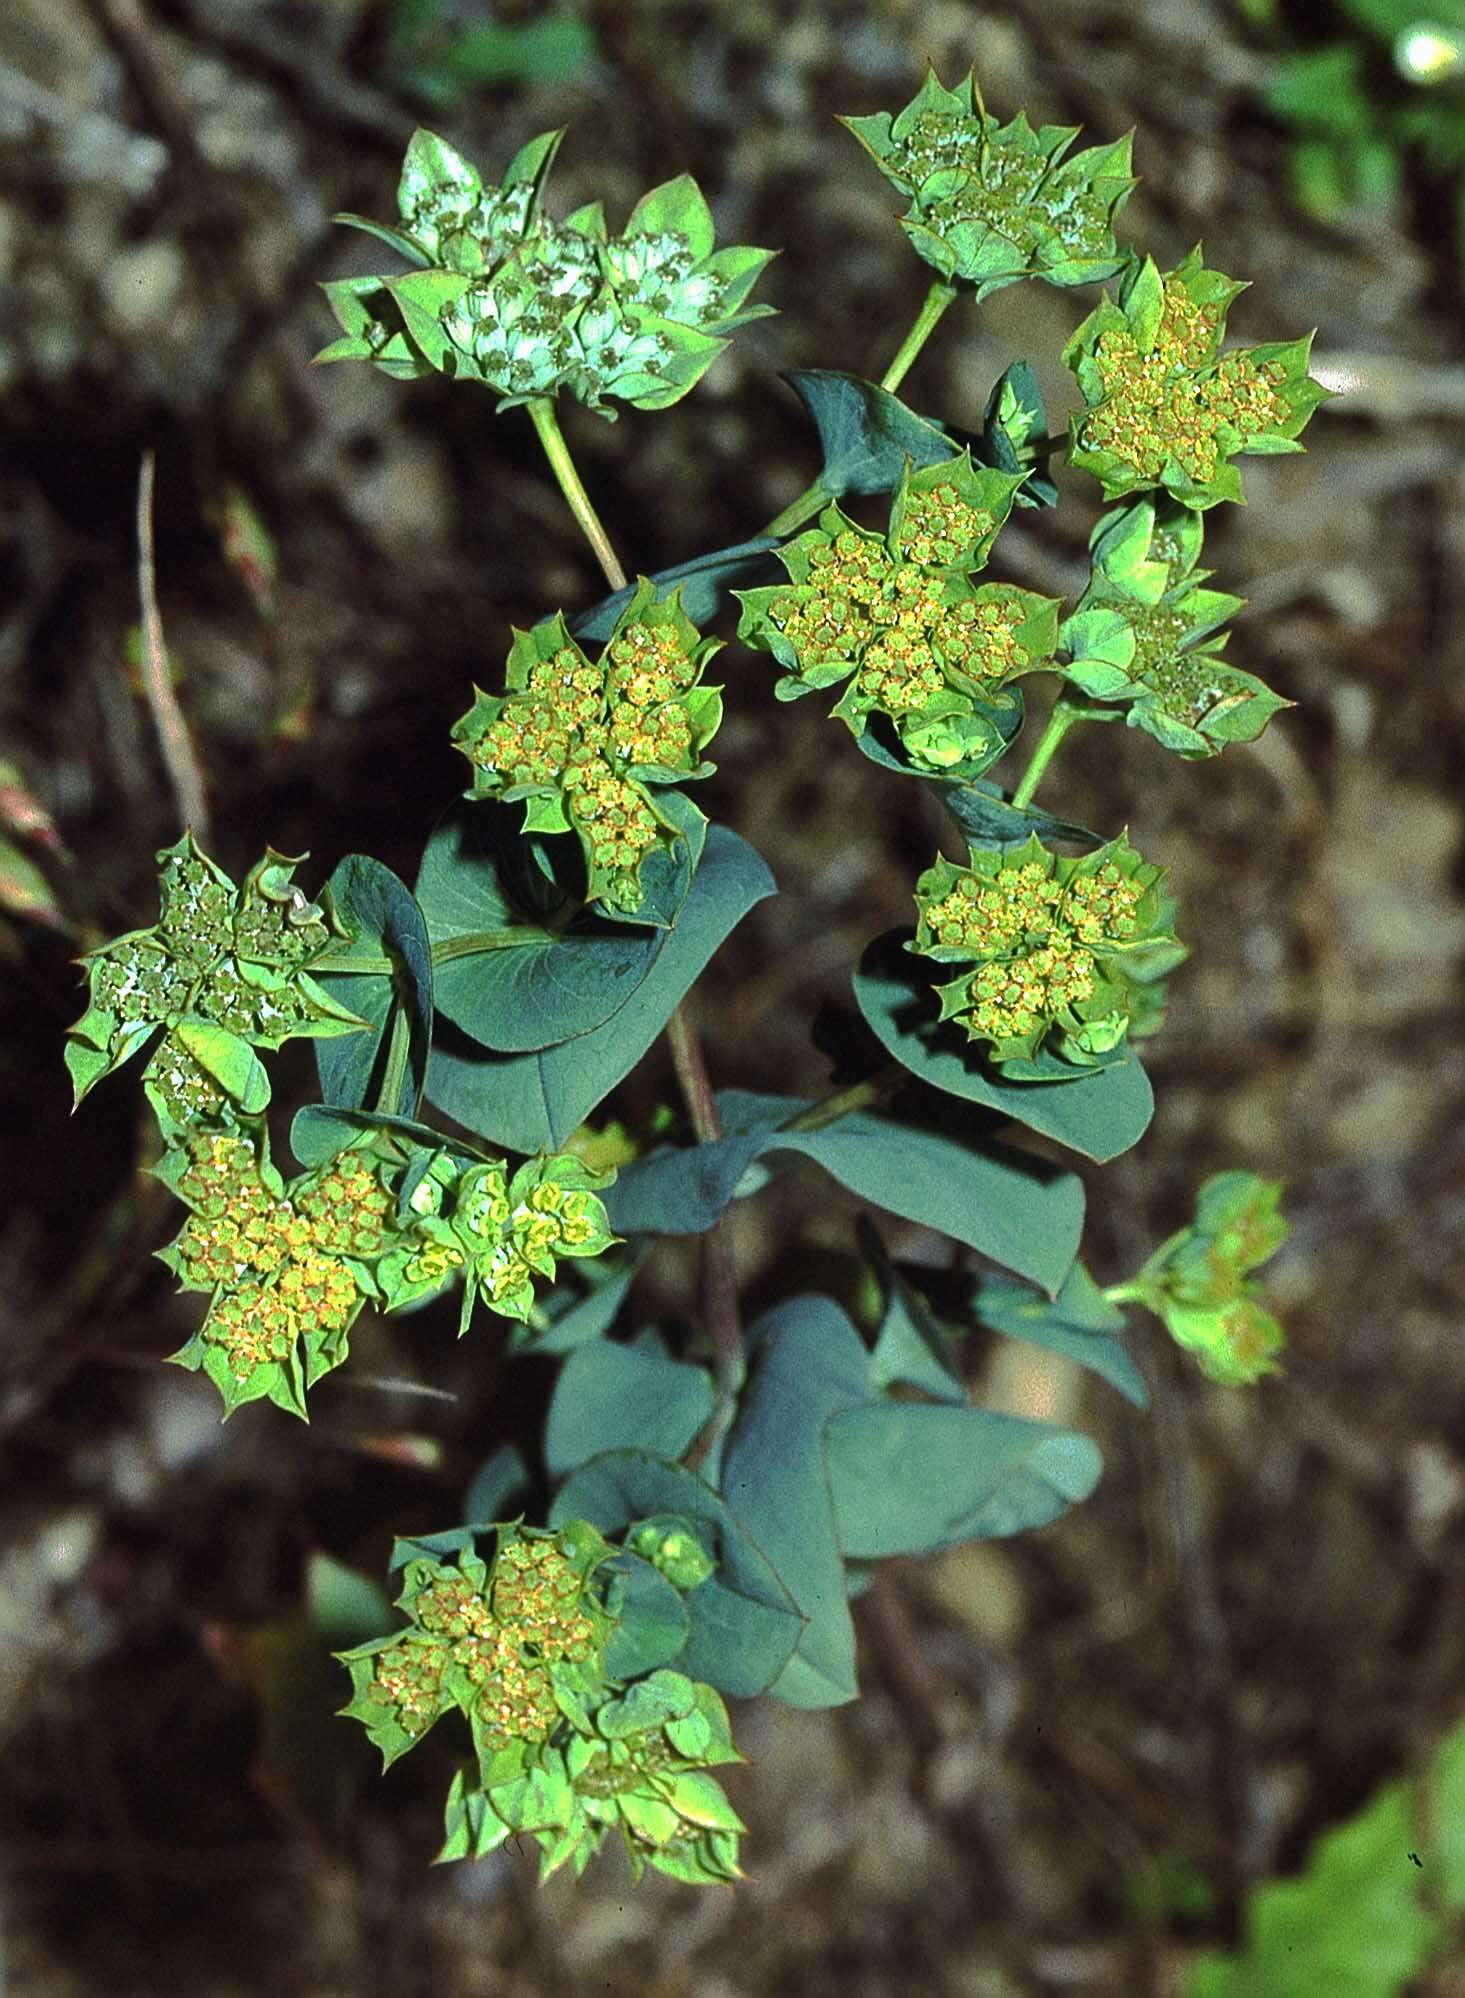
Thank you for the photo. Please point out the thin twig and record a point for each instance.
(177, 745)
(719, 1266)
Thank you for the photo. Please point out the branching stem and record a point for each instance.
(816, 497)
(1062, 719)
(936, 301)
(866, 1095)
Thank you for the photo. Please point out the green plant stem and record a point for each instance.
(866, 1095)
(1062, 719)
(936, 301)
(719, 1268)
(394, 1072)
(374, 965)
(813, 499)
(547, 425)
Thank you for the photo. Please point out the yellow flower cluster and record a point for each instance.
(938, 526)
(275, 1265)
(189, 1094)
(1013, 998)
(502, 1639)
(1158, 407)
(992, 917)
(895, 619)
(582, 727)
(611, 810)
(409, 1679)
(1039, 938)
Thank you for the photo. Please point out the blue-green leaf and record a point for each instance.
(497, 1480)
(809, 1362)
(654, 1624)
(743, 1622)
(987, 819)
(1099, 1112)
(909, 1477)
(532, 1102)
(525, 987)
(865, 433)
(612, 1397)
(1079, 1322)
(704, 582)
(1023, 1215)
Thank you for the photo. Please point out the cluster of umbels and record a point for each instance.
(1200, 1281)
(218, 958)
(528, 306)
(1164, 406)
(561, 1751)
(992, 203)
(1147, 633)
(1050, 937)
(582, 743)
(289, 1267)
(898, 617)
(484, 1640)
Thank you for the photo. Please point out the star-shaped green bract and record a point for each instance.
(504, 296)
(562, 1751)
(586, 744)
(993, 203)
(223, 971)
(897, 616)
(1146, 634)
(1164, 405)
(1059, 946)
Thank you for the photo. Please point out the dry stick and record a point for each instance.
(177, 745)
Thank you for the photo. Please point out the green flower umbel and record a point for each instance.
(562, 1753)
(897, 617)
(1146, 633)
(496, 1230)
(504, 296)
(1165, 407)
(222, 972)
(1059, 946)
(994, 203)
(584, 744)
(1199, 1283)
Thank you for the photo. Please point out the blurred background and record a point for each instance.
(1077, 1750)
